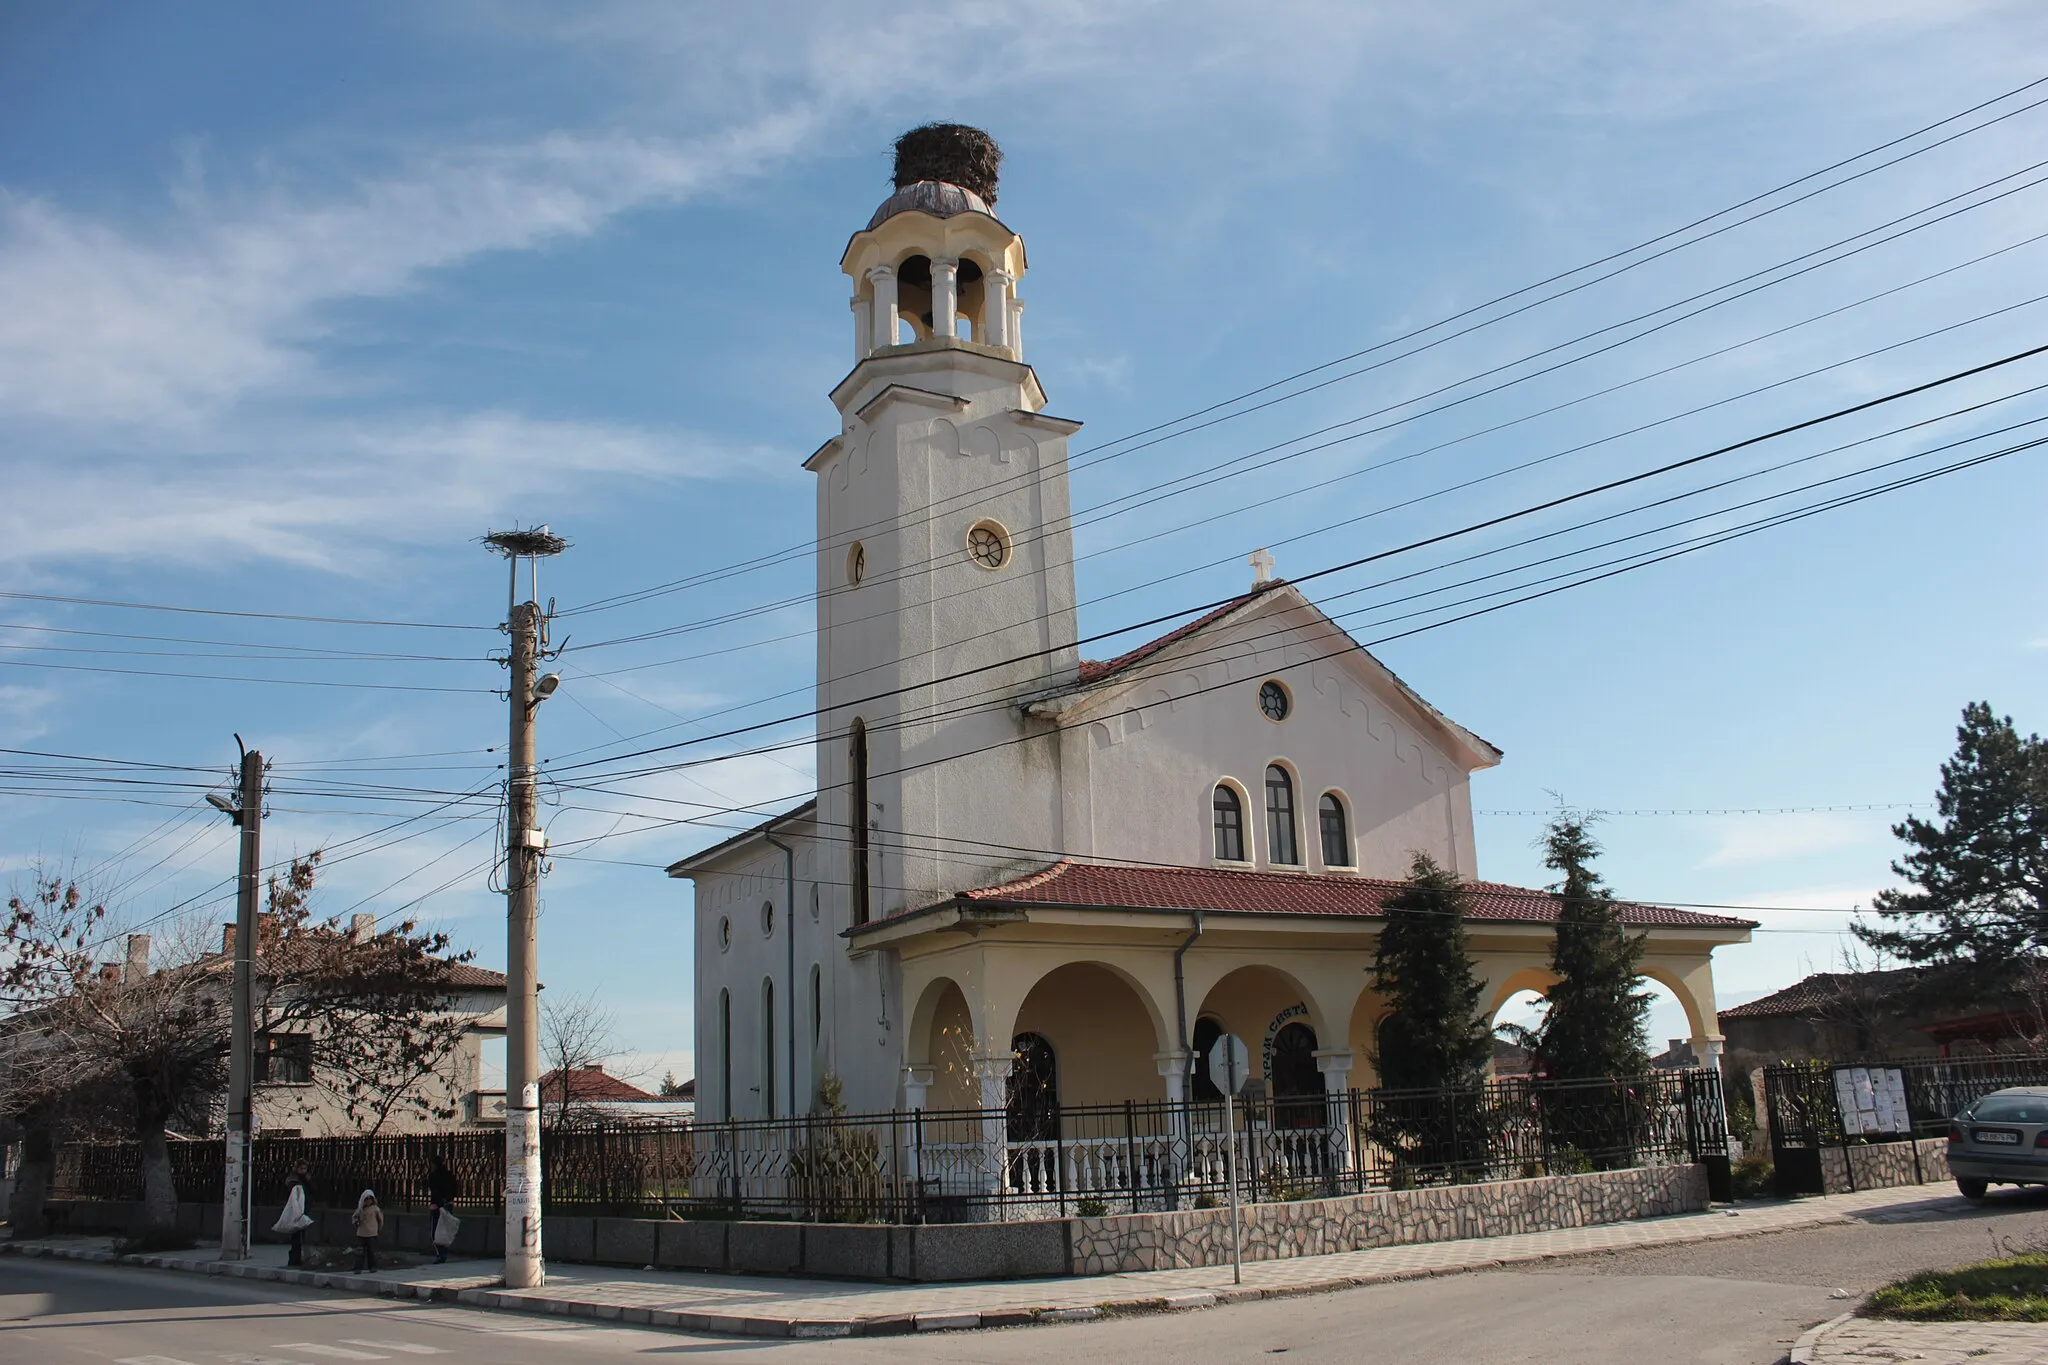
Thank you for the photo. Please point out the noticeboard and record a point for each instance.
(1873, 1101)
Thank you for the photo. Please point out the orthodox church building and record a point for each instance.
(1026, 871)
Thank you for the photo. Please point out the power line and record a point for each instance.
(1360, 561)
(1239, 464)
(725, 573)
(246, 615)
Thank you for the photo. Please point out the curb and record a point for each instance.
(1809, 1341)
(489, 1292)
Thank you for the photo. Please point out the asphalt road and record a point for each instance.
(1738, 1302)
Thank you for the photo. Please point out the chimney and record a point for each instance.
(361, 928)
(227, 940)
(137, 966)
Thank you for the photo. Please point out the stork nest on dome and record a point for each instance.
(952, 152)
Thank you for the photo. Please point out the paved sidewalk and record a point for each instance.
(762, 1306)
(1874, 1341)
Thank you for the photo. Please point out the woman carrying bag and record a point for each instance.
(294, 1221)
(442, 1192)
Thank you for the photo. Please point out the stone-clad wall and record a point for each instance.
(1165, 1241)
(1882, 1165)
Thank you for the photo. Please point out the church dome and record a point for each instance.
(935, 197)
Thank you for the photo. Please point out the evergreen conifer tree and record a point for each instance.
(1432, 1036)
(1978, 898)
(1594, 1023)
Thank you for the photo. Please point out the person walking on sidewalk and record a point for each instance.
(295, 1220)
(369, 1223)
(442, 1192)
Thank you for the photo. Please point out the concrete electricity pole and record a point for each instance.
(246, 812)
(525, 1267)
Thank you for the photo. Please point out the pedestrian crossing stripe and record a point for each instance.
(407, 1347)
(331, 1352)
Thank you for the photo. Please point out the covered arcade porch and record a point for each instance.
(1047, 1006)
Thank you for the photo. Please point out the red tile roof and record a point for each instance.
(1822, 991)
(1100, 886)
(590, 1084)
(1094, 671)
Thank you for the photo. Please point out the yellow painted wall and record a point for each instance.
(1100, 1032)
(1247, 1002)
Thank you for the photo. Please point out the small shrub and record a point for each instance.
(1207, 1201)
(1092, 1208)
(1755, 1177)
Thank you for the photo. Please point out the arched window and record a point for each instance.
(817, 1007)
(1336, 833)
(857, 816)
(725, 1050)
(1229, 823)
(1034, 1098)
(768, 1047)
(1202, 1087)
(1281, 846)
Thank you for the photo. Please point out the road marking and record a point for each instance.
(246, 1358)
(410, 1348)
(333, 1352)
(151, 1360)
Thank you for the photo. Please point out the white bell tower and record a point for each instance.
(945, 587)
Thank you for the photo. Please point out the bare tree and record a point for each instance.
(577, 1031)
(374, 1009)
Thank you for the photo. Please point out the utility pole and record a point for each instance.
(247, 813)
(525, 1267)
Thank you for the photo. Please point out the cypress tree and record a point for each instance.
(1432, 1045)
(1594, 1025)
(1432, 1036)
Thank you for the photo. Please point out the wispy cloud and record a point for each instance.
(1747, 839)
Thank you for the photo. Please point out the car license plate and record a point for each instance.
(1995, 1135)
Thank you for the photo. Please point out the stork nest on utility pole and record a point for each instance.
(526, 544)
(952, 152)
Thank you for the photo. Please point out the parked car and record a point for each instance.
(2002, 1139)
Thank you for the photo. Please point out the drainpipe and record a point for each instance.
(1180, 986)
(789, 938)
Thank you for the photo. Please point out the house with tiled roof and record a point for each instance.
(1898, 1012)
(1029, 876)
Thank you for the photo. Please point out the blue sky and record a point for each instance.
(294, 305)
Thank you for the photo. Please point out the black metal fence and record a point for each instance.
(1802, 1099)
(1803, 1104)
(593, 1169)
(961, 1166)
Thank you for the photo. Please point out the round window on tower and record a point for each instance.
(1274, 702)
(988, 545)
(768, 919)
(856, 562)
(724, 932)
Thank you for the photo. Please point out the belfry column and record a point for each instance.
(883, 278)
(945, 298)
(1017, 326)
(863, 328)
(995, 308)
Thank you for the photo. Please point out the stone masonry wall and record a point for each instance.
(1316, 1227)
(1882, 1165)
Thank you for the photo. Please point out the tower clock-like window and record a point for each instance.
(1228, 820)
(857, 815)
(1281, 846)
(987, 546)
